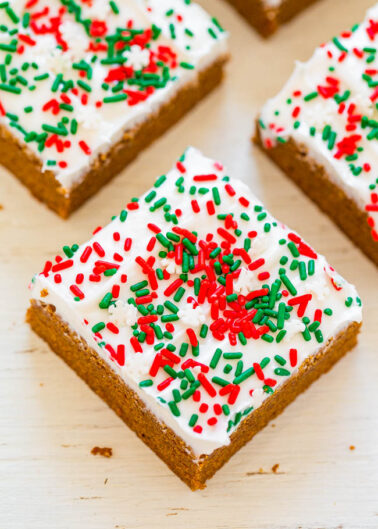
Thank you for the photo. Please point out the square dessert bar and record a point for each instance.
(267, 15)
(85, 86)
(195, 315)
(322, 130)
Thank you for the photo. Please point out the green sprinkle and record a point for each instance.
(12, 15)
(106, 300)
(110, 272)
(189, 375)
(73, 126)
(280, 360)
(59, 130)
(138, 286)
(204, 330)
(193, 419)
(98, 327)
(10, 88)
(216, 196)
(220, 381)
(319, 336)
(171, 372)
(302, 271)
(187, 65)
(310, 96)
(115, 99)
(179, 294)
(85, 86)
(171, 306)
(231, 297)
(242, 338)
(243, 376)
(183, 349)
(215, 359)
(232, 356)
(280, 336)
(348, 301)
(289, 285)
(146, 383)
(338, 44)
(41, 77)
(160, 181)
(226, 409)
(114, 7)
(293, 249)
(190, 246)
(264, 362)
(227, 368)
(174, 409)
(26, 20)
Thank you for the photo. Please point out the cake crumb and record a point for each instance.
(44, 293)
(352, 447)
(275, 467)
(102, 451)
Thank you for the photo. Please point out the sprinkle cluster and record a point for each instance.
(330, 104)
(61, 69)
(210, 305)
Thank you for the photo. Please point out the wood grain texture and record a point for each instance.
(49, 419)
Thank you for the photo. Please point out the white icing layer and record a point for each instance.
(184, 40)
(285, 287)
(329, 105)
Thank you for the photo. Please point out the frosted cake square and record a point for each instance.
(85, 86)
(322, 130)
(195, 315)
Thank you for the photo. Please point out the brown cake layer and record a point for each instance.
(161, 439)
(313, 179)
(27, 168)
(267, 20)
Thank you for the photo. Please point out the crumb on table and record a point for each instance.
(102, 451)
(275, 467)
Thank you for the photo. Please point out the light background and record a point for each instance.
(49, 419)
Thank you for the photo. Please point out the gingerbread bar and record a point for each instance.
(195, 315)
(267, 15)
(321, 129)
(85, 86)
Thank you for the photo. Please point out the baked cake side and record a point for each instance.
(84, 87)
(195, 315)
(267, 15)
(321, 129)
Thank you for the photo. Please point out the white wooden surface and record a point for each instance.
(49, 420)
